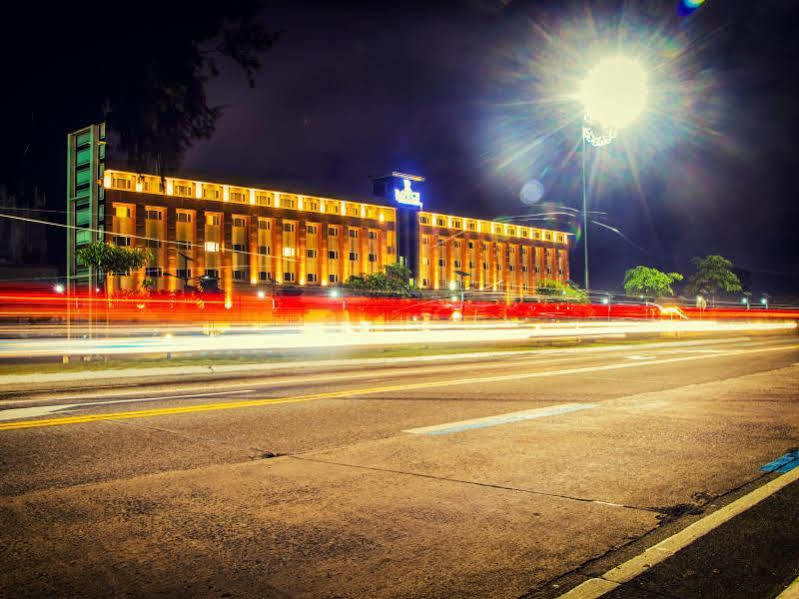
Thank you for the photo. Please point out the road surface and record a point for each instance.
(525, 475)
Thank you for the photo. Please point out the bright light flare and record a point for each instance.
(615, 92)
(58, 288)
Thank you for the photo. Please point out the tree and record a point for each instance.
(563, 291)
(106, 258)
(714, 275)
(645, 280)
(394, 281)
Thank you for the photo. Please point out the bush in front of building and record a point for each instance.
(556, 290)
(393, 281)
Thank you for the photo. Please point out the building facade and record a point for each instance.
(208, 235)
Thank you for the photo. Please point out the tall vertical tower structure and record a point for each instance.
(404, 191)
(86, 163)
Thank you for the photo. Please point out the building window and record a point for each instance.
(441, 262)
(332, 232)
(184, 217)
(425, 261)
(239, 222)
(286, 203)
(237, 196)
(312, 205)
(122, 211)
(390, 249)
(288, 227)
(424, 220)
(153, 272)
(183, 190)
(485, 266)
(154, 244)
(332, 278)
(122, 240)
(183, 244)
(264, 225)
(353, 256)
(311, 229)
(211, 246)
(264, 276)
(312, 277)
(332, 254)
(238, 247)
(425, 283)
(457, 263)
(372, 257)
(289, 252)
(471, 245)
(440, 222)
(456, 244)
(354, 233)
(183, 273)
(288, 277)
(372, 234)
(524, 268)
(211, 273)
(471, 264)
(153, 215)
(311, 253)
(510, 267)
(471, 226)
(212, 219)
(263, 199)
(239, 275)
(425, 240)
(265, 250)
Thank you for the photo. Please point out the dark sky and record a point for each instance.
(475, 96)
(470, 95)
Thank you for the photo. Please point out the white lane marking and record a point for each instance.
(463, 425)
(596, 587)
(286, 379)
(17, 413)
(639, 357)
(792, 592)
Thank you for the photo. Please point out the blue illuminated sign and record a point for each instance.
(407, 196)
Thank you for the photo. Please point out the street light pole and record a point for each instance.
(585, 212)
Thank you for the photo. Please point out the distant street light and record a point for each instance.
(764, 301)
(58, 288)
(613, 95)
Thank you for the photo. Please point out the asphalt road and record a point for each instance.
(495, 477)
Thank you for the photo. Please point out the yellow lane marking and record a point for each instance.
(792, 592)
(231, 405)
(596, 587)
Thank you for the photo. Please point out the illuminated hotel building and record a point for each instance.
(243, 237)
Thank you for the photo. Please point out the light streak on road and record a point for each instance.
(365, 334)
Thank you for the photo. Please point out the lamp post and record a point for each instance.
(613, 95)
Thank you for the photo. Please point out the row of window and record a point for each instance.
(456, 223)
(266, 250)
(238, 275)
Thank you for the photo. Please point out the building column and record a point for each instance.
(301, 258)
(277, 246)
(252, 245)
(323, 259)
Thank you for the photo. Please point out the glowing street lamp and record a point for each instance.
(613, 95)
(58, 288)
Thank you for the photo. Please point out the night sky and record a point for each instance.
(475, 96)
